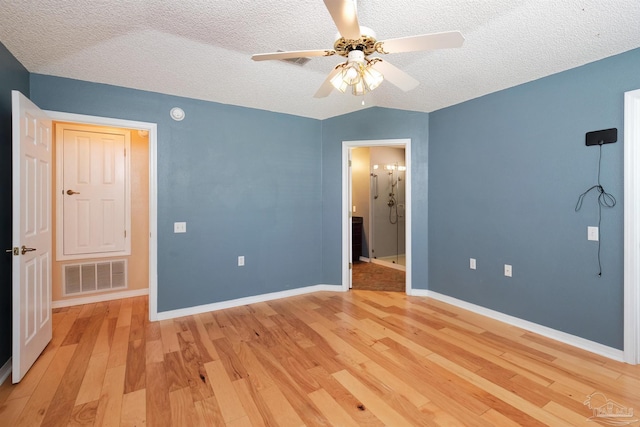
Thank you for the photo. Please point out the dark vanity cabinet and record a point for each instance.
(356, 238)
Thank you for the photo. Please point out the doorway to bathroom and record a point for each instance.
(377, 220)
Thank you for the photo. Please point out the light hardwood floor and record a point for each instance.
(362, 358)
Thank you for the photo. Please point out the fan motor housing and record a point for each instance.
(366, 43)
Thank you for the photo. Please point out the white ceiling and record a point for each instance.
(202, 48)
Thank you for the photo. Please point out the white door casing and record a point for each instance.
(350, 207)
(347, 206)
(31, 275)
(632, 227)
(93, 192)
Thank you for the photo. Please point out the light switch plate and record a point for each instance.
(179, 227)
(508, 270)
(472, 263)
(592, 233)
(241, 261)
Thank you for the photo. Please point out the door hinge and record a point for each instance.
(15, 251)
(349, 163)
(125, 152)
(350, 214)
(350, 265)
(125, 234)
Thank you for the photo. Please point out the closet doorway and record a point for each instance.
(147, 133)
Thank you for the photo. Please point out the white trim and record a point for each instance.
(152, 128)
(389, 264)
(632, 227)
(365, 259)
(164, 315)
(346, 205)
(153, 224)
(5, 371)
(99, 298)
(545, 331)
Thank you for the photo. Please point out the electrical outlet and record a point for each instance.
(508, 270)
(472, 263)
(241, 261)
(179, 227)
(592, 233)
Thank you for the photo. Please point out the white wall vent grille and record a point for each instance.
(95, 276)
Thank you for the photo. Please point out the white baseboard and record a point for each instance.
(389, 264)
(364, 259)
(99, 298)
(164, 315)
(584, 344)
(5, 371)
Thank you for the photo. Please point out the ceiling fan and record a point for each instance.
(361, 72)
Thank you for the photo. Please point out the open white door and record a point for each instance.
(31, 233)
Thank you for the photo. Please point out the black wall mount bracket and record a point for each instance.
(599, 137)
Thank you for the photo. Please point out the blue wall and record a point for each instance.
(247, 182)
(505, 173)
(13, 76)
(371, 124)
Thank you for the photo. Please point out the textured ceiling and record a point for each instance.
(202, 48)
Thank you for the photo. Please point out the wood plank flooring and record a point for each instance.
(362, 358)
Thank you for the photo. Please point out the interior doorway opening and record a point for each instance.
(101, 227)
(377, 215)
(149, 130)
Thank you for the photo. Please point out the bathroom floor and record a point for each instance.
(375, 277)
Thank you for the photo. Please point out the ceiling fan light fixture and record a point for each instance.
(372, 77)
(357, 73)
(352, 74)
(357, 43)
(339, 82)
(359, 88)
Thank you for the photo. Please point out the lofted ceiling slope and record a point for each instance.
(202, 48)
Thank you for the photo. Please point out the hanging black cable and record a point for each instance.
(604, 200)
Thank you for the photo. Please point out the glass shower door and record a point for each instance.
(388, 214)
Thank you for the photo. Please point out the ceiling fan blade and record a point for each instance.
(344, 15)
(396, 76)
(446, 40)
(292, 54)
(326, 87)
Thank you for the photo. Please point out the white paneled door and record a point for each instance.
(93, 190)
(31, 275)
